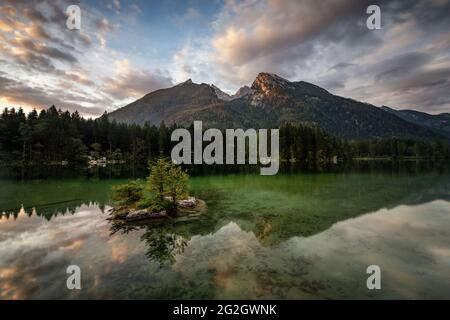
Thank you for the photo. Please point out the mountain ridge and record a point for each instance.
(270, 101)
(437, 122)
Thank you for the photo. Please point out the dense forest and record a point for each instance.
(54, 136)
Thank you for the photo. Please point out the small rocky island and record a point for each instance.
(187, 207)
(165, 195)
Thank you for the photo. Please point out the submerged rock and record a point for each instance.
(188, 203)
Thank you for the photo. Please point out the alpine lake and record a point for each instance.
(301, 234)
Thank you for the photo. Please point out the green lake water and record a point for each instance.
(290, 236)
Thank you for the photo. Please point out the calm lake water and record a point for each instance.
(290, 236)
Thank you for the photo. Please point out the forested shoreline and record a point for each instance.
(55, 136)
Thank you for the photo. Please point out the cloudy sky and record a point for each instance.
(126, 49)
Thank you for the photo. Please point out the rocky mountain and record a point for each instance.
(166, 104)
(269, 102)
(439, 123)
(221, 95)
(242, 92)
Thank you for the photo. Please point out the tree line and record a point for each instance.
(53, 136)
(311, 144)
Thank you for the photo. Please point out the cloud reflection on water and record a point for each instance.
(409, 243)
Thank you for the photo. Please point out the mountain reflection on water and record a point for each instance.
(293, 236)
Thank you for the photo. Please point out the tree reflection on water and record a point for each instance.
(161, 241)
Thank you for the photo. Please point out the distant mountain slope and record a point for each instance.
(164, 104)
(439, 122)
(269, 102)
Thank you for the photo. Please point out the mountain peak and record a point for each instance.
(269, 82)
(220, 94)
(188, 81)
(267, 76)
(242, 92)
